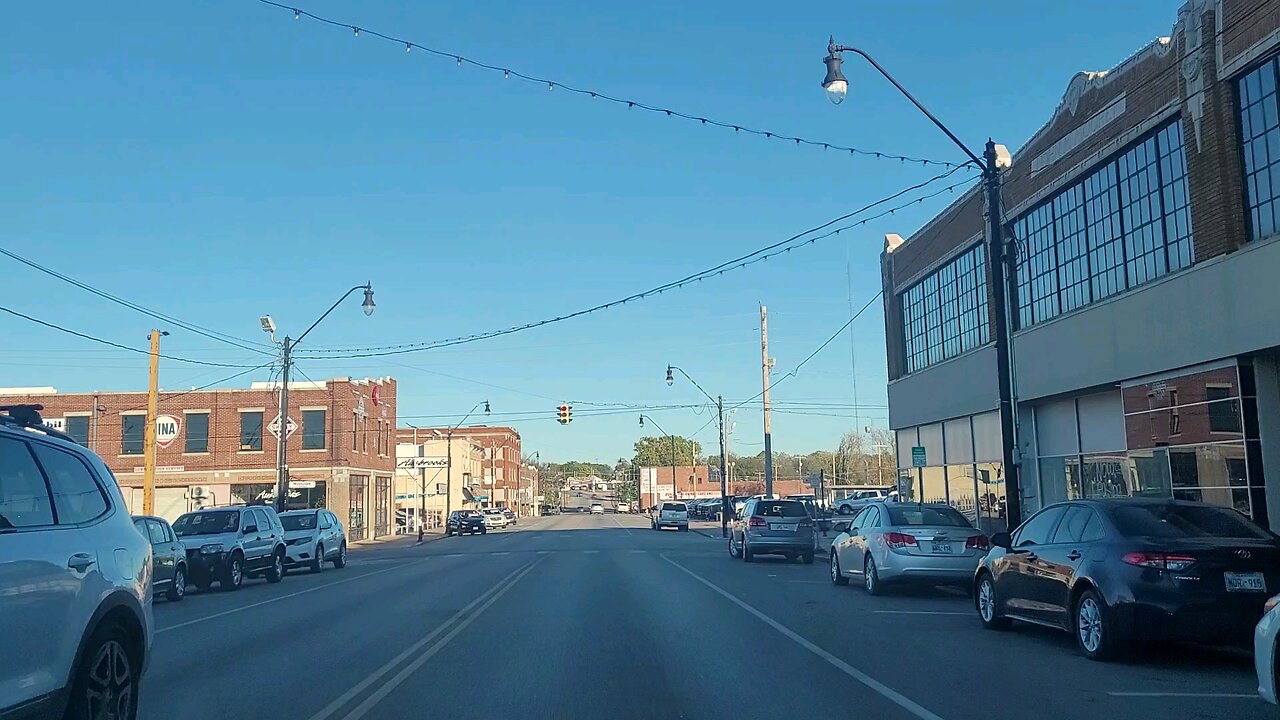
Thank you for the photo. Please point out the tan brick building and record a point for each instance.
(1146, 218)
(216, 447)
(499, 481)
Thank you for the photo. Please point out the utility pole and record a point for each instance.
(149, 430)
(724, 483)
(282, 434)
(675, 492)
(768, 425)
(1001, 258)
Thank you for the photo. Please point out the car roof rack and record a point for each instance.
(27, 417)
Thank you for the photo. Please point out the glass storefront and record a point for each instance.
(382, 506)
(951, 475)
(356, 519)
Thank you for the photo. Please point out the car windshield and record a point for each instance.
(781, 508)
(298, 522)
(909, 515)
(207, 523)
(1184, 521)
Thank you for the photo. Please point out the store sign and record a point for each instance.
(163, 469)
(917, 456)
(418, 463)
(301, 484)
(167, 429)
(59, 424)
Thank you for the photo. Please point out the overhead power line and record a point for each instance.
(508, 73)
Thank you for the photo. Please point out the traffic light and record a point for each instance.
(566, 414)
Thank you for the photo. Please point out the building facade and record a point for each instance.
(431, 480)
(701, 481)
(499, 481)
(1146, 218)
(218, 447)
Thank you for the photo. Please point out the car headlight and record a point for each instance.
(211, 549)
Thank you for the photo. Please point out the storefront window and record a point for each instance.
(992, 502)
(306, 495)
(1055, 483)
(1103, 476)
(253, 494)
(1149, 472)
(933, 485)
(962, 491)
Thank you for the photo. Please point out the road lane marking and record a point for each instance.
(880, 688)
(504, 552)
(376, 675)
(619, 524)
(590, 552)
(633, 552)
(920, 612)
(1252, 696)
(544, 552)
(400, 677)
(250, 606)
(808, 582)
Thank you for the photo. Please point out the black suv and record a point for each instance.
(227, 543)
(463, 522)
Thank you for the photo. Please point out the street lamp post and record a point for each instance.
(448, 464)
(675, 493)
(422, 485)
(1000, 256)
(724, 487)
(286, 364)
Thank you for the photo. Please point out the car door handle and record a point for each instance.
(80, 561)
(1074, 555)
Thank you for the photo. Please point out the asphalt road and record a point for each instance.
(580, 616)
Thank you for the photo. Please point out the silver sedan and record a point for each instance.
(890, 542)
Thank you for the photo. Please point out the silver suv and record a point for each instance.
(227, 543)
(75, 614)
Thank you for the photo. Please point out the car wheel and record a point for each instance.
(105, 684)
(747, 555)
(733, 549)
(233, 575)
(807, 558)
(837, 576)
(986, 602)
(317, 562)
(178, 589)
(275, 573)
(341, 560)
(871, 577)
(1094, 631)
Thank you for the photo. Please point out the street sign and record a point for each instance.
(417, 463)
(167, 429)
(274, 427)
(917, 456)
(301, 484)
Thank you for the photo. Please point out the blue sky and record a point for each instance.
(220, 160)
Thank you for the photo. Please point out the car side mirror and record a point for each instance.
(841, 526)
(1002, 540)
(250, 529)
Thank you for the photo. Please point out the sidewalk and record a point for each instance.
(711, 529)
(399, 541)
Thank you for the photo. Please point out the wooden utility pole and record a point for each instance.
(768, 426)
(149, 431)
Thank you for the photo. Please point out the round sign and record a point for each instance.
(167, 428)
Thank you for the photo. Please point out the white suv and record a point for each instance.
(75, 614)
(672, 514)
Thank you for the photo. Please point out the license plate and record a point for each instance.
(942, 547)
(1245, 582)
(782, 526)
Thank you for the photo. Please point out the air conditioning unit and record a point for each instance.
(200, 492)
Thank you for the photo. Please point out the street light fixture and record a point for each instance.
(724, 486)
(368, 305)
(448, 468)
(675, 493)
(1000, 256)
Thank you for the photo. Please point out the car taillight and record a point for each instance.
(1159, 560)
(978, 542)
(899, 540)
(756, 522)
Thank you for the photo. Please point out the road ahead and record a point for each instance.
(578, 616)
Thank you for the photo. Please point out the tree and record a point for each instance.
(656, 451)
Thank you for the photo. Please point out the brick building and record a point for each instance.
(1146, 212)
(702, 482)
(499, 480)
(216, 447)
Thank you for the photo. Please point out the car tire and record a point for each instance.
(233, 575)
(837, 575)
(986, 604)
(871, 577)
(340, 560)
(317, 562)
(275, 571)
(747, 555)
(110, 662)
(178, 589)
(733, 549)
(1092, 626)
(807, 558)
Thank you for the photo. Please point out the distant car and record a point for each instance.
(495, 519)
(511, 515)
(465, 522)
(773, 527)
(74, 595)
(168, 557)
(624, 507)
(671, 513)
(312, 538)
(597, 509)
(859, 498)
(1114, 571)
(228, 544)
(1264, 650)
(907, 542)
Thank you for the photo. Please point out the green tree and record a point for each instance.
(656, 451)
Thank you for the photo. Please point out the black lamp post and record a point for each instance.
(1000, 255)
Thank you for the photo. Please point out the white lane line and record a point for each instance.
(883, 690)
(921, 612)
(619, 524)
(544, 552)
(635, 552)
(373, 677)
(590, 552)
(1252, 696)
(250, 606)
(808, 582)
(504, 552)
(373, 699)
(453, 555)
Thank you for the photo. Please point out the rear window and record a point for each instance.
(1183, 521)
(781, 508)
(925, 515)
(674, 507)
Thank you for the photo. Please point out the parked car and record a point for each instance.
(75, 573)
(1264, 650)
(168, 557)
(773, 527)
(597, 509)
(510, 514)
(671, 514)
(465, 522)
(890, 543)
(859, 498)
(227, 544)
(312, 538)
(624, 508)
(1109, 571)
(494, 519)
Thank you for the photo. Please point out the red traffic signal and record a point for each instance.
(566, 414)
